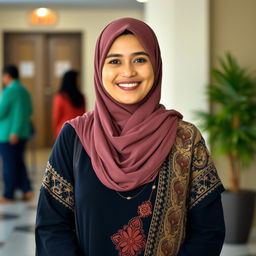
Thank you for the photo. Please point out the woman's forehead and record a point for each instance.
(126, 43)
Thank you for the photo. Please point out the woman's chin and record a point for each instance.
(128, 101)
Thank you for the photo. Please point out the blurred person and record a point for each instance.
(68, 103)
(130, 177)
(15, 129)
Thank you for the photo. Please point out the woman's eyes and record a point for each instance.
(114, 62)
(140, 60)
(118, 61)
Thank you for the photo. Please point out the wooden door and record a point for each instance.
(64, 52)
(27, 51)
(42, 58)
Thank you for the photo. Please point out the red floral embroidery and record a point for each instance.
(179, 191)
(130, 241)
(183, 163)
(184, 135)
(145, 209)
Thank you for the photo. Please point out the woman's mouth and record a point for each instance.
(128, 86)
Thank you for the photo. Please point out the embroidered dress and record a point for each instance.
(107, 224)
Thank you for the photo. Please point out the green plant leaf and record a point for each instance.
(232, 125)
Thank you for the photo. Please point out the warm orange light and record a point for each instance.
(43, 16)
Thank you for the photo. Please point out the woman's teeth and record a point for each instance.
(130, 85)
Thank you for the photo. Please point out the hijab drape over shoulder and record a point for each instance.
(127, 143)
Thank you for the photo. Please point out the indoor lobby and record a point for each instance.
(193, 36)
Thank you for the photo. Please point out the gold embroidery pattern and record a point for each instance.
(175, 219)
(205, 178)
(159, 210)
(188, 172)
(200, 155)
(58, 187)
(166, 234)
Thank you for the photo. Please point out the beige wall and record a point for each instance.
(233, 28)
(183, 33)
(87, 21)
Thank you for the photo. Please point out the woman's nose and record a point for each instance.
(129, 70)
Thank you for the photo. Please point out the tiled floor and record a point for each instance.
(17, 221)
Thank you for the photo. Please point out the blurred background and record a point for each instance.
(45, 39)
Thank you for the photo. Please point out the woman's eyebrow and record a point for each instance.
(140, 53)
(116, 55)
(113, 55)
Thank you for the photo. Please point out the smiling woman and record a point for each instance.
(130, 177)
(127, 73)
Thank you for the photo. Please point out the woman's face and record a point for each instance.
(127, 73)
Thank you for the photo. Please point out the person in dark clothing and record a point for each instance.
(129, 178)
(15, 129)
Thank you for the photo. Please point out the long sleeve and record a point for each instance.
(21, 111)
(55, 228)
(5, 102)
(205, 230)
(20, 115)
(56, 113)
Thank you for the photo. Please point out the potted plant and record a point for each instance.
(232, 130)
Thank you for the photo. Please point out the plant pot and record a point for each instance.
(238, 213)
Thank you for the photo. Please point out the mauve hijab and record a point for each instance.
(127, 144)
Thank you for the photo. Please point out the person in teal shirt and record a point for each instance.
(15, 130)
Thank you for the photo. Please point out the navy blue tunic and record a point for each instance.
(102, 214)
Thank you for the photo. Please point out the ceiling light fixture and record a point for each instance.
(42, 12)
(43, 16)
(142, 1)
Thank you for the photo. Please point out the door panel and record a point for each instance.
(36, 56)
(20, 48)
(63, 52)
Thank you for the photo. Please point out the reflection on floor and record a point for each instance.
(17, 220)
